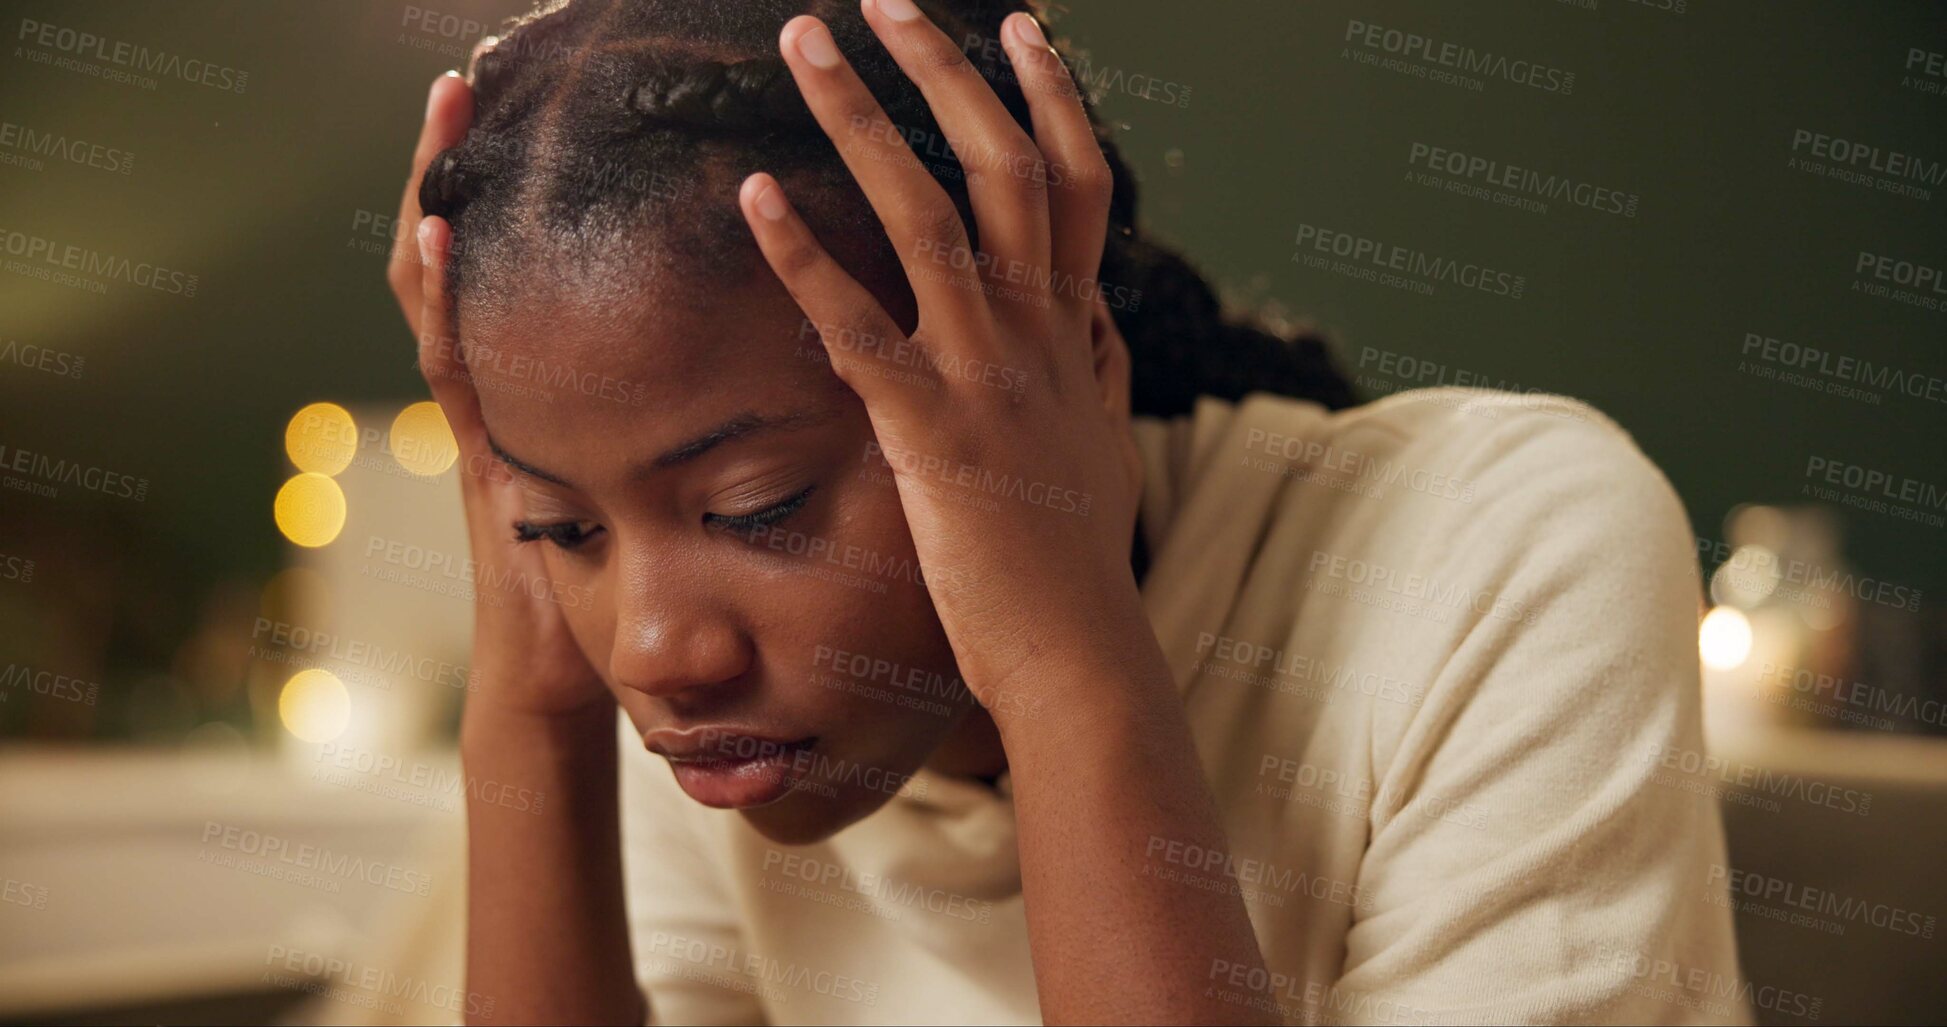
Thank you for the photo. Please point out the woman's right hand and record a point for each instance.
(546, 937)
(449, 113)
(522, 648)
(527, 661)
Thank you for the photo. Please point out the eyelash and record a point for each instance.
(565, 535)
(568, 535)
(750, 524)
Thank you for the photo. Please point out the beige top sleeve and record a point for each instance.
(1529, 861)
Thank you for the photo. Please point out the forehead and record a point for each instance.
(640, 365)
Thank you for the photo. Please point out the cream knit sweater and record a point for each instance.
(1438, 653)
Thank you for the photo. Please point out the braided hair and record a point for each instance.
(626, 126)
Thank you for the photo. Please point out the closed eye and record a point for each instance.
(565, 534)
(750, 524)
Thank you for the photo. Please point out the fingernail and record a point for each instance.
(432, 93)
(898, 10)
(425, 247)
(1029, 30)
(815, 43)
(770, 202)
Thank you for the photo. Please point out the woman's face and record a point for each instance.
(686, 456)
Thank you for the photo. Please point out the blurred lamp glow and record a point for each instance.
(1752, 524)
(422, 441)
(1826, 611)
(321, 438)
(1748, 578)
(1724, 638)
(310, 510)
(314, 705)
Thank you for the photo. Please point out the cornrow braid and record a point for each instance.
(603, 119)
(713, 97)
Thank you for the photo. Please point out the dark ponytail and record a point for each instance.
(696, 88)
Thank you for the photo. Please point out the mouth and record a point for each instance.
(728, 769)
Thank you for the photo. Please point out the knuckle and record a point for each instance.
(1092, 177)
(1018, 159)
(863, 120)
(855, 327)
(941, 54)
(799, 258)
(861, 322)
(937, 221)
(1033, 170)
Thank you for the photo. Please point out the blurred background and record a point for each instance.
(233, 597)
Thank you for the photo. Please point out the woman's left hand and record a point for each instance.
(1004, 415)
(1021, 505)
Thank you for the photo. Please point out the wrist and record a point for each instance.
(1037, 625)
(489, 728)
(1102, 684)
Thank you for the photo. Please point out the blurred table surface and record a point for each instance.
(132, 858)
(161, 876)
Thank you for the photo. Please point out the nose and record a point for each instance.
(672, 642)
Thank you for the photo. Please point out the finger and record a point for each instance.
(1079, 204)
(449, 112)
(919, 217)
(1006, 178)
(866, 347)
(439, 351)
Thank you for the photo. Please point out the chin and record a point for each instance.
(808, 819)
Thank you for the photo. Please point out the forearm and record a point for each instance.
(1107, 783)
(547, 938)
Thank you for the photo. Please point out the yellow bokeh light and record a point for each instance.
(314, 706)
(321, 438)
(310, 509)
(1724, 638)
(422, 441)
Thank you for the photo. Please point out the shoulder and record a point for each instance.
(1536, 517)
(1484, 431)
(1472, 482)
(1428, 524)
(1573, 552)
(1515, 462)
(1549, 606)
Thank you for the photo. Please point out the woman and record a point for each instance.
(1062, 654)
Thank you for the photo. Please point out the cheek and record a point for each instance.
(591, 621)
(867, 649)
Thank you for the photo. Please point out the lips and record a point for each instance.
(729, 769)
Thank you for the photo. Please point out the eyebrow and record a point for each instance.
(742, 426)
